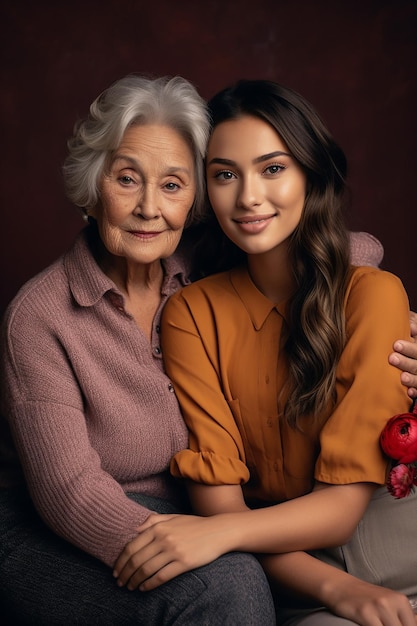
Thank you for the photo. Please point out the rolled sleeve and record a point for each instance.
(209, 468)
(216, 455)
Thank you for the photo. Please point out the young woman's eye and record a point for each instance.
(274, 169)
(224, 175)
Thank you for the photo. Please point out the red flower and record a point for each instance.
(399, 438)
(401, 480)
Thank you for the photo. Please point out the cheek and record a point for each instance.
(290, 189)
(299, 190)
(172, 239)
(113, 209)
(177, 216)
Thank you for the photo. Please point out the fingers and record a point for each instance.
(145, 567)
(151, 558)
(390, 610)
(136, 545)
(167, 549)
(163, 575)
(405, 359)
(406, 615)
(123, 568)
(406, 353)
(142, 566)
(154, 573)
(413, 319)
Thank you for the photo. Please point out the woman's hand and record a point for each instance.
(405, 358)
(166, 546)
(307, 577)
(370, 605)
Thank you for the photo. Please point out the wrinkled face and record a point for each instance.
(146, 193)
(257, 190)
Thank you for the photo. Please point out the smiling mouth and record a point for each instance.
(254, 220)
(142, 233)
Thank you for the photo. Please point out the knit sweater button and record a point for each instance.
(171, 387)
(157, 350)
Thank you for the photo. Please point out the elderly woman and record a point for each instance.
(92, 415)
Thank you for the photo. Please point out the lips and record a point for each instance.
(254, 219)
(145, 234)
(254, 224)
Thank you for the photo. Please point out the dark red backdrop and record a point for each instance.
(354, 60)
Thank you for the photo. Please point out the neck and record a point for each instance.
(141, 286)
(271, 274)
(132, 277)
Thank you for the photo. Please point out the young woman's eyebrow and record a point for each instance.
(259, 159)
(270, 155)
(220, 161)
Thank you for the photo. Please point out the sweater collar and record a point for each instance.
(88, 283)
(257, 305)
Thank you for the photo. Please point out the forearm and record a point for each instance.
(74, 496)
(298, 575)
(323, 518)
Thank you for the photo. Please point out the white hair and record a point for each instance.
(134, 99)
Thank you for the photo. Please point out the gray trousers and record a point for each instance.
(45, 581)
(382, 551)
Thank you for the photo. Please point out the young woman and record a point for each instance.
(280, 366)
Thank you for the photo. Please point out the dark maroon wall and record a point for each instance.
(355, 60)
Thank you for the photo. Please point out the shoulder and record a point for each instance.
(34, 298)
(371, 281)
(29, 327)
(46, 291)
(377, 296)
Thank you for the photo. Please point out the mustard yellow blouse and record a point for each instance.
(221, 346)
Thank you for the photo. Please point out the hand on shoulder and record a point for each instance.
(404, 358)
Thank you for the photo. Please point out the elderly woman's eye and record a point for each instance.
(126, 180)
(172, 186)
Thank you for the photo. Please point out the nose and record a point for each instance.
(147, 206)
(250, 193)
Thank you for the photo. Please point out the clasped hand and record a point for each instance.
(166, 546)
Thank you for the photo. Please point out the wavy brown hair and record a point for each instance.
(319, 248)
